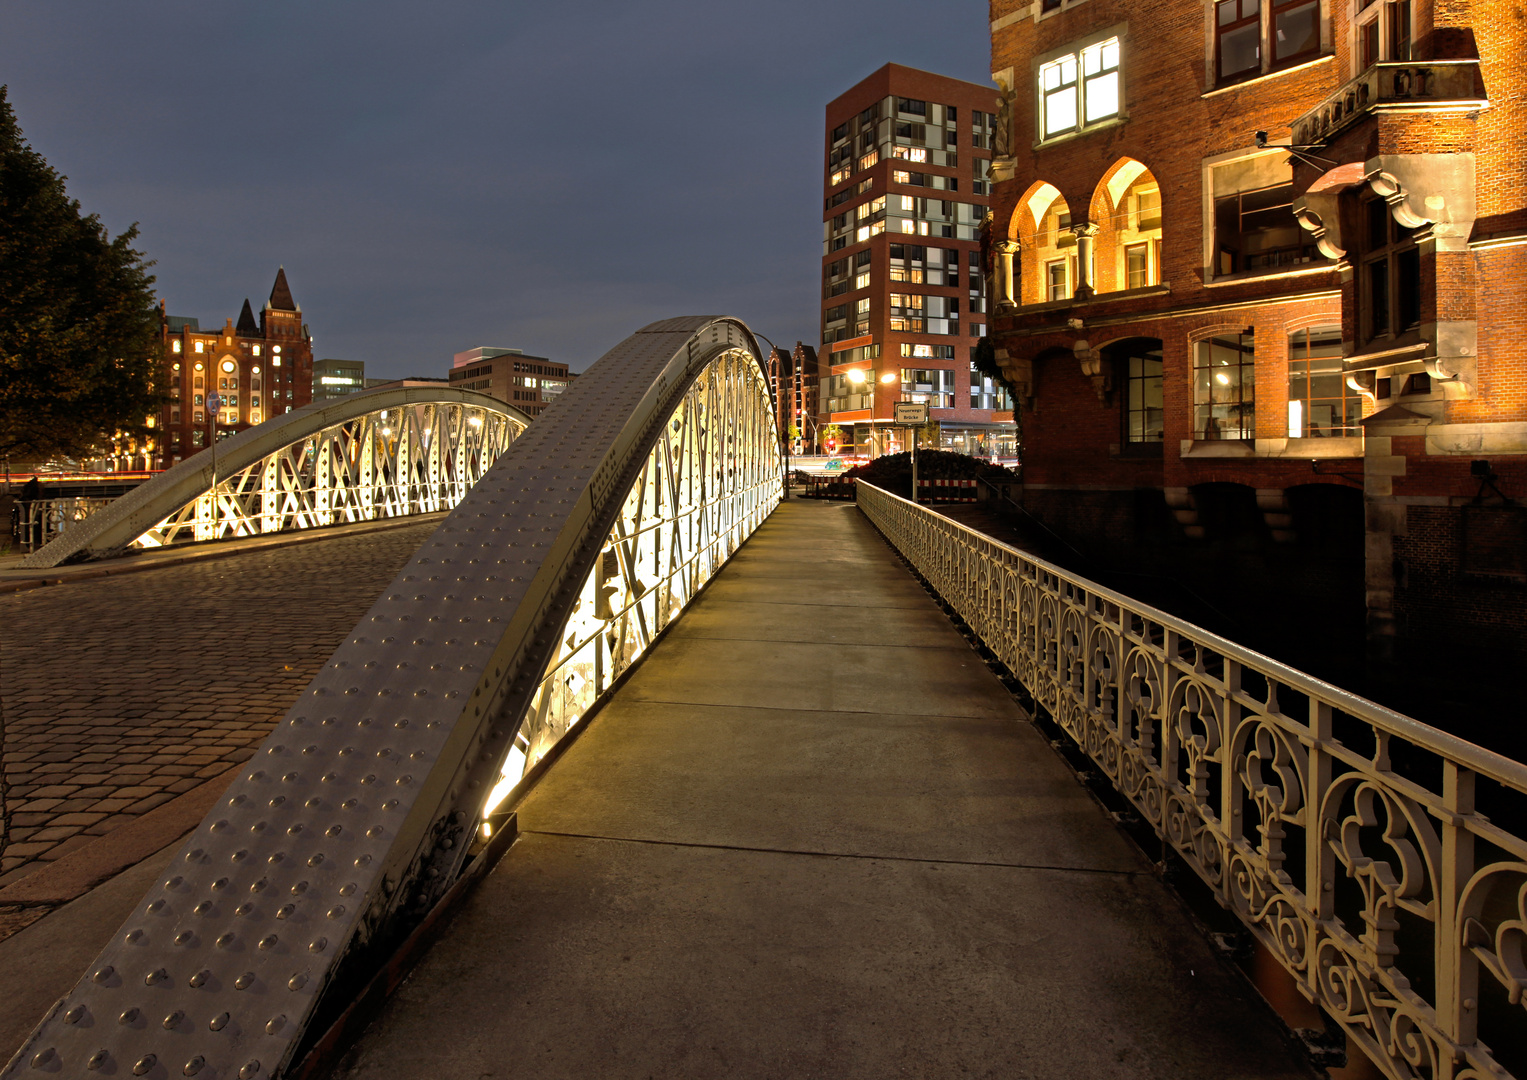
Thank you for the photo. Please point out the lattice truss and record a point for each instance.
(413, 459)
(712, 478)
(1349, 839)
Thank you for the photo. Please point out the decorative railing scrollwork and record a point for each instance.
(1348, 838)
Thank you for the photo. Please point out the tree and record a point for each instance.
(79, 333)
(985, 362)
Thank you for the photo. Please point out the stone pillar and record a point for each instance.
(1007, 281)
(1084, 233)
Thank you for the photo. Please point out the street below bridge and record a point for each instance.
(121, 693)
(814, 835)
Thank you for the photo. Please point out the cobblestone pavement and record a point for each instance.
(122, 692)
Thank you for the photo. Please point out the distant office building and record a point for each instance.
(336, 378)
(906, 178)
(256, 370)
(529, 383)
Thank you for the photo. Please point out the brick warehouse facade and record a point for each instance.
(258, 370)
(1300, 367)
(905, 186)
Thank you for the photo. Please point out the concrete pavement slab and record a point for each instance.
(592, 958)
(915, 787)
(735, 620)
(833, 678)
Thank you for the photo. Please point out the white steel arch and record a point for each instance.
(582, 542)
(382, 453)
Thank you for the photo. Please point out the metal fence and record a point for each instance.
(1380, 860)
(39, 521)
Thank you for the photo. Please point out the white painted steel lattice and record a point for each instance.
(360, 809)
(1348, 838)
(378, 454)
(713, 476)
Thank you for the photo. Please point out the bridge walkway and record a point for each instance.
(814, 836)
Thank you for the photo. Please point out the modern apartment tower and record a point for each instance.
(905, 181)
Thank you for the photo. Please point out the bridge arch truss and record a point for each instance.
(377, 454)
(555, 572)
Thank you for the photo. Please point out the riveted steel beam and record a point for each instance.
(358, 811)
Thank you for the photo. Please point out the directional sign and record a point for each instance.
(214, 402)
(911, 413)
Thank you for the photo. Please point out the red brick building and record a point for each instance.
(905, 184)
(1297, 374)
(257, 370)
(794, 378)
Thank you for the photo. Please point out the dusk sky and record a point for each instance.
(437, 177)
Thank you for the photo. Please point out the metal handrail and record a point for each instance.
(1337, 862)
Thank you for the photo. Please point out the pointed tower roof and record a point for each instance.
(281, 294)
(247, 326)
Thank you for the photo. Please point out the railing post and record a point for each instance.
(1457, 968)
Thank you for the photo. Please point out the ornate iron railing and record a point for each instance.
(362, 807)
(1348, 838)
(383, 453)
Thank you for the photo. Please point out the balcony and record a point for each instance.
(1438, 85)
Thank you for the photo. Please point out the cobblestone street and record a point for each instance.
(122, 692)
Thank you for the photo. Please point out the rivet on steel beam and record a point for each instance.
(316, 859)
(98, 1059)
(75, 1015)
(277, 801)
(243, 909)
(240, 855)
(363, 860)
(203, 908)
(314, 803)
(194, 1065)
(220, 884)
(128, 1016)
(297, 981)
(174, 882)
(194, 855)
(102, 974)
(220, 1021)
(295, 829)
(199, 978)
(174, 1018)
(268, 942)
(156, 976)
(225, 941)
(347, 888)
(243, 981)
(299, 888)
(334, 830)
(273, 1025)
(183, 937)
(249, 1070)
(259, 886)
(145, 1063)
(319, 946)
(285, 912)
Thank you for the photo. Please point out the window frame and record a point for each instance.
(1244, 404)
(1131, 381)
(1380, 17)
(1331, 361)
(1400, 247)
(1266, 20)
(1075, 54)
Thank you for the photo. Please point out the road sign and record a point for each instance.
(214, 402)
(911, 413)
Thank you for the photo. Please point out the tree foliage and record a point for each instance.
(79, 333)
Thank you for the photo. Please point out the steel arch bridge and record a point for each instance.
(552, 576)
(384, 453)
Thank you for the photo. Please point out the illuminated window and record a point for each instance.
(175, 346)
(200, 347)
(869, 160)
(1058, 279)
(275, 361)
(275, 349)
(1224, 388)
(900, 177)
(229, 366)
(257, 350)
(1320, 403)
(1080, 89)
(909, 153)
(862, 281)
(901, 273)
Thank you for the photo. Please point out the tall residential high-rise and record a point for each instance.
(905, 180)
(336, 378)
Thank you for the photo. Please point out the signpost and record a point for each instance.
(912, 414)
(214, 403)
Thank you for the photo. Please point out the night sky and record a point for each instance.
(547, 177)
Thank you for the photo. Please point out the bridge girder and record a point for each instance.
(360, 808)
